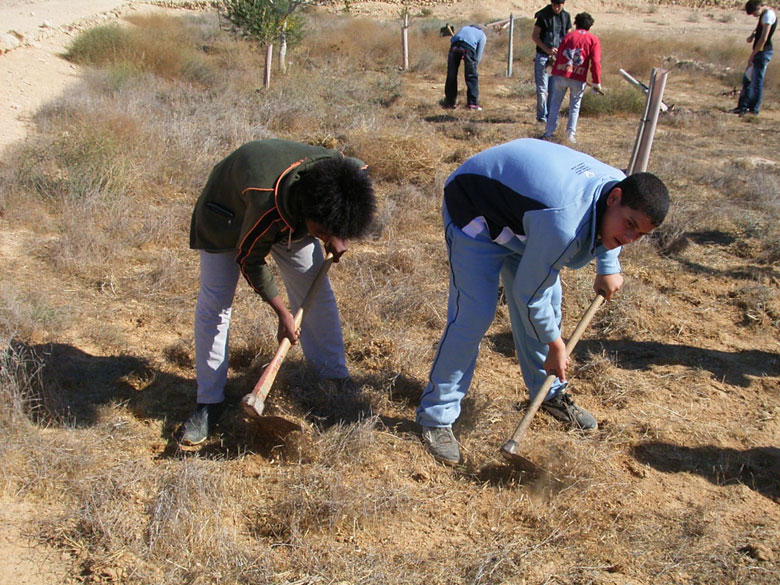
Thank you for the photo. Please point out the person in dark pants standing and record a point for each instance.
(753, 80)
(467, 45)
(552, 24)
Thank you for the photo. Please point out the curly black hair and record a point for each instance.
(338, 194)
(583, 21)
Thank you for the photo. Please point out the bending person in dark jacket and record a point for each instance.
(272, 197)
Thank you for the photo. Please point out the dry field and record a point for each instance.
(681, 484)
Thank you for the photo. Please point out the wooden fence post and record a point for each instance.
(511, 51)
(405, 41)
(283, 49)
(644, 137)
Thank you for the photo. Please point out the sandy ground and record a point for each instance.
(36, 73)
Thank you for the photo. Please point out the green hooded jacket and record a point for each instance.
(247, 206)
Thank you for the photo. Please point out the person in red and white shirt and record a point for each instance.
(579, 51)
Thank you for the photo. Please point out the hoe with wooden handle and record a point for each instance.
(254, 402)
(509, 449)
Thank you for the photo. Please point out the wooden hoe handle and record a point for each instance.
(511, 445)
(263, 386)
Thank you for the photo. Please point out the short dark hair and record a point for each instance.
(583, 20)
(752, 5)
(338, 194)
(646, 193)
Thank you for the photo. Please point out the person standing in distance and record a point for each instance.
(467, 45)
(552, 24)
(579, 51)
(753, 79)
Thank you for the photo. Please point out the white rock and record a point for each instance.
(8, 42)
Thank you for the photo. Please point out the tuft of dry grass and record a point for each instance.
(151, 46)
(760, 305)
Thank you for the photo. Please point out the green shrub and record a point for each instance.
(620, 100)
(99, 46)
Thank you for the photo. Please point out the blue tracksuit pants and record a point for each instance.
(476, 264)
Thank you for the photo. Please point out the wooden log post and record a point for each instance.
(627, 76)
(644, 138)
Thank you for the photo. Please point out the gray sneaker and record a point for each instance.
(442, 444)
(563, 408)
(200, 424)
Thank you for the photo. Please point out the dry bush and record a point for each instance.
(401, 156)
(622, 45)
(751, 194)
(760, 305)
(367, 44)
(196, 519)
(427, 49)
(671, 237)
(636, 313)
(20, 384)
(152, 46)
(682, 117)
(323, 496)
(26, 314)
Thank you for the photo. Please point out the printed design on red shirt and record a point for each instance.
(573, 58)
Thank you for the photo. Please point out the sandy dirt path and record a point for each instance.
(35, 72)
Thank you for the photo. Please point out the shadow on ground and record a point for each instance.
(69, 387)
(731, 367)
(758, 468)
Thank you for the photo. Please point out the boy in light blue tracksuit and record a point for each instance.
(522, 211)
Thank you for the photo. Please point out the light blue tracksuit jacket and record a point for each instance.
(473, 37)
(522, 210)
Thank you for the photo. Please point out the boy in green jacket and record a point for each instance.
(272, 197)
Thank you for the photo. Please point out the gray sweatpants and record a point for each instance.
(321, 336)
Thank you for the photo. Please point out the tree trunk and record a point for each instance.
(283, 50)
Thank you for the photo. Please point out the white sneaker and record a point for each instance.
(570, 138)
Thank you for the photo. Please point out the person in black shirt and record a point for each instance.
(552, 24)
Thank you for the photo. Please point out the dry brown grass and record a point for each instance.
(678, 486)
